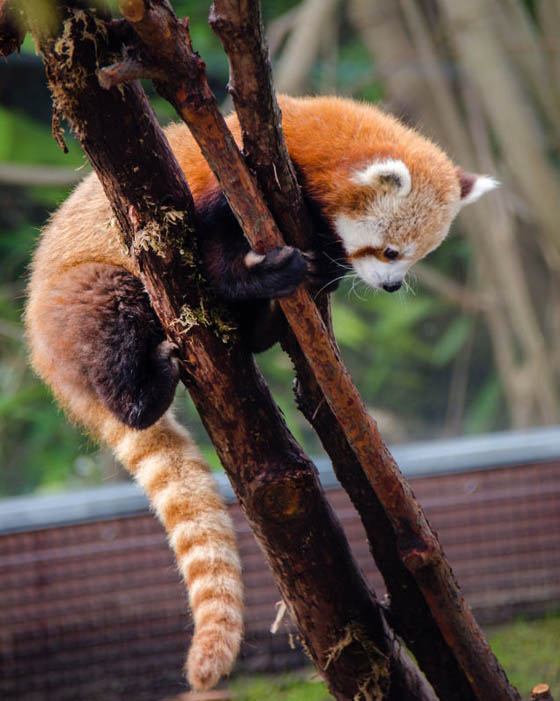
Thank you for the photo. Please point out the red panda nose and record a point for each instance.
(392, 286)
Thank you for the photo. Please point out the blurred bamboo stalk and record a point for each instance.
(464, 109)
(548, 13)
(513, 121)
(279, 28)
(303, 45)
(27, 176)
(379, 25)
(528, 54)
(533, 379)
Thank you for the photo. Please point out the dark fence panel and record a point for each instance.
(95, 610)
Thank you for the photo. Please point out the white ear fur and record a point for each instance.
(480, 186)
(389, 170)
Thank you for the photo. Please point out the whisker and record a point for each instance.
(408, 287)
(358, 279)
(336, 261)
(330, 282)
(353, 277)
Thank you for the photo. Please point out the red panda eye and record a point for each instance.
(390, 253)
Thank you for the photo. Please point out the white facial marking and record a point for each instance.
(368, 232)
(408, 250)
(390, 170)
(357, 233)
(377, 273)
(482, 185)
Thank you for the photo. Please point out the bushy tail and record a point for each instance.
(167, 464)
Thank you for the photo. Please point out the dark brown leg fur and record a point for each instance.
(106, 338)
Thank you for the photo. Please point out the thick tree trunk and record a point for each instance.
(339, 621)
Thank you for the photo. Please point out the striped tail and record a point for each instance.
(167, 464)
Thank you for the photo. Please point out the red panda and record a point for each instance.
(382, 197)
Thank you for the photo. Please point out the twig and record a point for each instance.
(281, 610)
(123, 72)
(22, 175)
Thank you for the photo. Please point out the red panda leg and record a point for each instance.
(73, 337)
(104, 331)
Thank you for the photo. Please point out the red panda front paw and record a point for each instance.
(168, 359)
(279, 272)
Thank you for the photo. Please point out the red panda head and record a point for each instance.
(389, 193)
(403, 214)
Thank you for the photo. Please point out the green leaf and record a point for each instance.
(452, 340)
(483, 411)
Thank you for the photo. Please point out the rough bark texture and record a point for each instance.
(238, 24)
(339, 621)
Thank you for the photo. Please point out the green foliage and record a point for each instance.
(528, 651)
(23, 140)
(38, 448)
(281, 687)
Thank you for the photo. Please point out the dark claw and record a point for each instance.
(167, 359)
(279, 258)
(281, 271)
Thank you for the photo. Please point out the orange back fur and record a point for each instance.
(329, 137)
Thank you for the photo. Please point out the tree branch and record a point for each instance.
(275, 482)
(417, 546)
(239, 25)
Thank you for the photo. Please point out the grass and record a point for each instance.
(302, 686)
(529, 651)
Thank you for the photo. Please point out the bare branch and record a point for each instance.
(303, 45)
(274, 480)
(123, 72)
(417, 545)
(409, 613)
(23, 175)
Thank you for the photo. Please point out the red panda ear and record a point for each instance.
(473, 186)
(389, 175)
